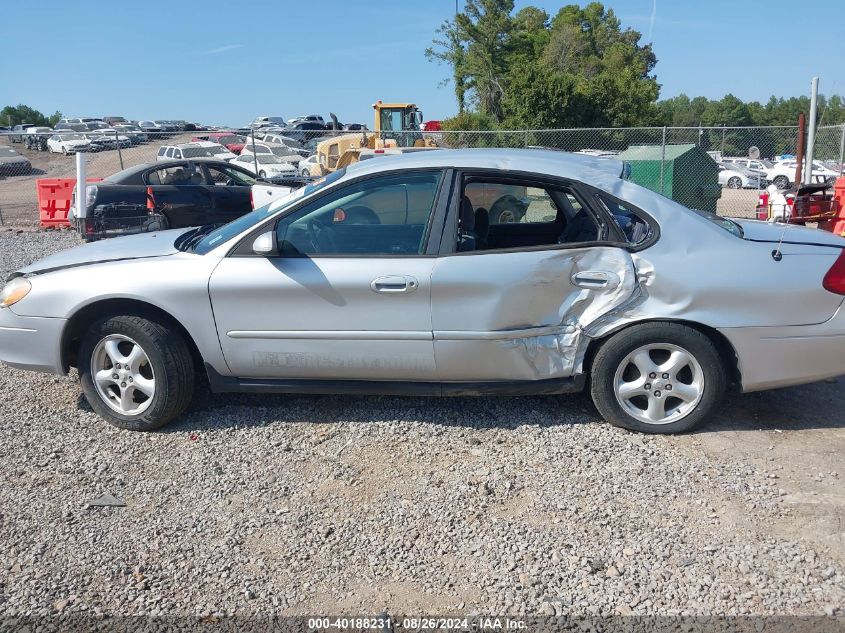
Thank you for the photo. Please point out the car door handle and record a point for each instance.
(595, 279)
(394, 283)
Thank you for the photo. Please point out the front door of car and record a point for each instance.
(231, 190)
(348, 293)
(516, 312)
(181, 194)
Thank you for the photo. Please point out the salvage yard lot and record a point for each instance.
(309, 504)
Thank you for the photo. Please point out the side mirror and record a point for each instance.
(265, 244)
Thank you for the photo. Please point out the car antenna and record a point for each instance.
(777, 255)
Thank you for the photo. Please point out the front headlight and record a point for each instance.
(14, 291)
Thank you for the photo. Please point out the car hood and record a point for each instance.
(156, 244)
(761, 231)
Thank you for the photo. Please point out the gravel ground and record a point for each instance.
(303, 505)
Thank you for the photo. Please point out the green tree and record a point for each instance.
(15, 115)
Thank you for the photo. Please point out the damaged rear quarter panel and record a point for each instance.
(518, 315)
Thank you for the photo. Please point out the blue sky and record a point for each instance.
(217, 61)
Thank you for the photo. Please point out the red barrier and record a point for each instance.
(54, 198)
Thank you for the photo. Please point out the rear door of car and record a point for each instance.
(516, 310)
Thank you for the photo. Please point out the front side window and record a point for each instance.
(228, 176)
(176, 175)
(386, 215)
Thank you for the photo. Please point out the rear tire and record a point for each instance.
(161, 365)
(657, 378)
(735, 183)
(781, 182)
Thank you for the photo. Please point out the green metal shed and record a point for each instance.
(685, 173)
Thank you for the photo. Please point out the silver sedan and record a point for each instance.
(393, 277)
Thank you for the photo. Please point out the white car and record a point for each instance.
(287, 154)
(310, 118)
(735, 177)
(782, 173)
(266, 121)
(67, 143)
(264, 165)
(200, 149)
(309, 166)
(754, 165)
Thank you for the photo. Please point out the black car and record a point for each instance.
(171, 194)
(12, 163)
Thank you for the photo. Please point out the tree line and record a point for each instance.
(578, 68)
(15, 115)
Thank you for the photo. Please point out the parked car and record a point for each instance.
(68, 144)
(198, 149)
(733, 176)
(18, 131)
(36, 138)
(168, 126)
(432, 126)
(114, 120)
(229, 140)
(71, 127)
(305, 131)
(264, 165)
(755, 165)
(184, 193)
(782, 173)
(101, 142)
(354, 126)
(69, 121)
(276, 138)
(314, 118)
(266, 121)
(309, 166)
(152, 129)
(136, 134)
(12, 163)
(121, 139)
(374, 281)
(283, 152)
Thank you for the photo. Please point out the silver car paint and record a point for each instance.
(695, 272)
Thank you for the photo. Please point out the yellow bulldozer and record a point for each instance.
(397, 125)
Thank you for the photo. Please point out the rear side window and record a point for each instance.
(636, 229)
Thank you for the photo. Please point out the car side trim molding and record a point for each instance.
(502, 335)
(229, 384)
(332, 335)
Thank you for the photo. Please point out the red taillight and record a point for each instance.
(834, 280)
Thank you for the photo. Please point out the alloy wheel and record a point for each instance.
(659, 383)
(123, 375)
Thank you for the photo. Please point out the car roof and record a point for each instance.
(589, 169)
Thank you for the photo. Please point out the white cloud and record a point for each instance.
(223, 49)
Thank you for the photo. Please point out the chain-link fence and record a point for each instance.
(723, 168)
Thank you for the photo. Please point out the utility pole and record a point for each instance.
(811, 133)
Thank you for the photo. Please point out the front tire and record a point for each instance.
(735, 183)
(136, 373)
(657, 378)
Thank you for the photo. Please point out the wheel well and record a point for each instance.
(75, 329)
(726, 351)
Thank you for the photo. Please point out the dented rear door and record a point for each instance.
(520, 315)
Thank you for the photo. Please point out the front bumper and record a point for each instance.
(32, 343)
(771, 357)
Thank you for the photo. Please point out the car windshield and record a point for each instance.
(196, 152)
(257, 149)
(222, 234)
(268, 159)
(72, 137)
(231, 139)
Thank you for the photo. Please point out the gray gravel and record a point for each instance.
(287, 504)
